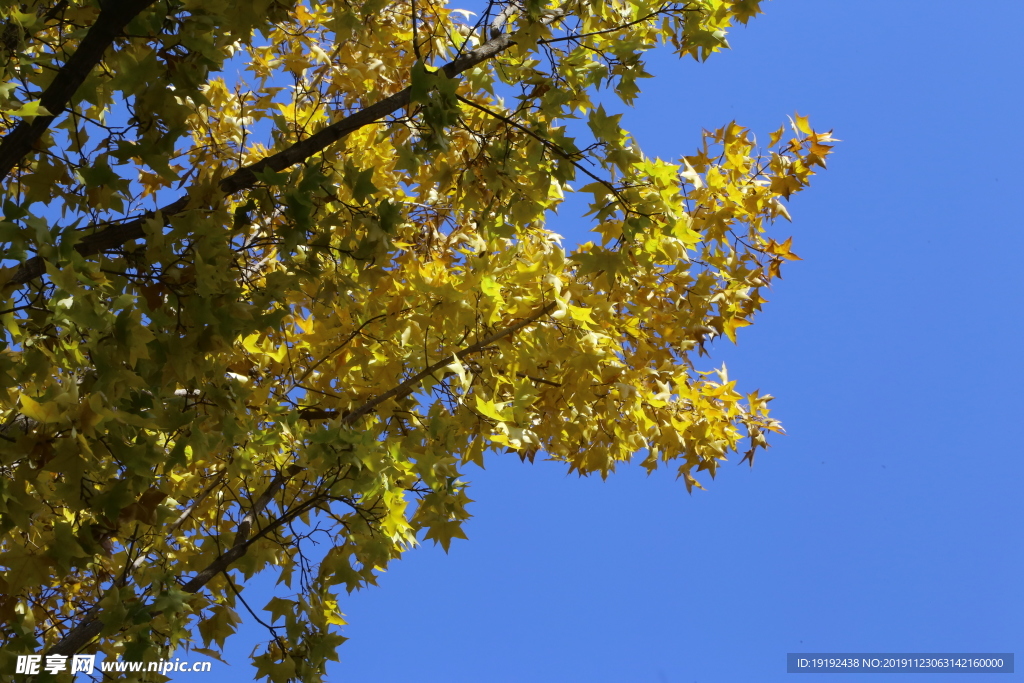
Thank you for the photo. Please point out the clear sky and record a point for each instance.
(889, 518)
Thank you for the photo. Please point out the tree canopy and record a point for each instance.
(276, 274)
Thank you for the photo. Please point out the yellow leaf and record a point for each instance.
(783, 250)
(801, 124)
(490, 409)
(40, 412)
(249, 343)
(34, 108)
(730, 325)
(475, 453)
(459, 369)
(490, 287)
(580, 314)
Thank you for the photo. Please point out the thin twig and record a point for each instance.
(115, 235)
(408, 386)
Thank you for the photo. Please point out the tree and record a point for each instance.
(244, 314)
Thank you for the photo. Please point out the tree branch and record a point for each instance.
(245, 178)
(547, 145)
(187, 512)
(240, 544)
(409, 385)
(114, 16)
(91, 625)
(663, 10)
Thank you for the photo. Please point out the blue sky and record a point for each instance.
(888, 519)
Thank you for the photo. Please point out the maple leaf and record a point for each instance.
(335, 296)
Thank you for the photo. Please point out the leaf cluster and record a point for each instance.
(275, 275)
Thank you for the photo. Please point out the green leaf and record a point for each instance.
(361, 184)
(605, 127)
(272, 177)
(279, 607)
(29, 110)
(421, 82)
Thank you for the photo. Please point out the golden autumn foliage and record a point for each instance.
(273, 268)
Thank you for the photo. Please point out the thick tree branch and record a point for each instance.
(245, 178)
(111, 22)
